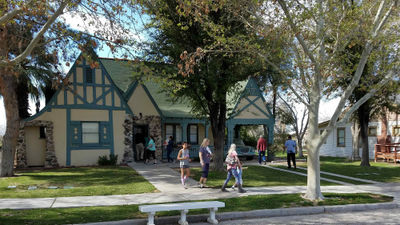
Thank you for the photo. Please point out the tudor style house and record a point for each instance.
(104, 111)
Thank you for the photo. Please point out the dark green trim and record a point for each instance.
(130, 90)
(68, 132)
(152, 100)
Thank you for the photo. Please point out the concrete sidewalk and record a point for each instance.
(167, 181)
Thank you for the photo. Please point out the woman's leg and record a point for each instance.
(228, 177)
(182, 175)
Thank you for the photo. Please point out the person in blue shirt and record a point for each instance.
(151, 150)
(291, 150)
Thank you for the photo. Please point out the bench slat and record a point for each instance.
(181, 206)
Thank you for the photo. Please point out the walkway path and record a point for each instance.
(167, 181)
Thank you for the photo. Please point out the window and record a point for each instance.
(192, 134)
(90, 133)
(396, 131)
(88, 75)
(175, 131)
(42, 132)
(320, 133)
(372, 131)
(341, 134)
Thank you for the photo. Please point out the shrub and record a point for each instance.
(105, 161)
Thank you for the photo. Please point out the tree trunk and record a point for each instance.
(218, 127)
(355, 131)
(313, 167)
(363, 118)
(300, 144)
(8, 84)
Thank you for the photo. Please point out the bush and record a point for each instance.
(105, 161)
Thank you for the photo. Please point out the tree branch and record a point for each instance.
(360, 67)
(35, 40)
(365, 98)
(283, 74)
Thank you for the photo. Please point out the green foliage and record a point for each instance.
(105, 161)
(247, 138)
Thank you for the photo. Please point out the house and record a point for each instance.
(340, 141)
(103, 111)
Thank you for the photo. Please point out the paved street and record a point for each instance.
(365, 217)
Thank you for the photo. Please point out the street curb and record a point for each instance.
(263, 213)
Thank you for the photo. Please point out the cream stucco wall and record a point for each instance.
(35, 146)
(89, 115)
(87, 157)
(140, 102)
(79, 75)
(202, 132)
(251, 112)
(59, 118)
(98, 76)
(118, 121)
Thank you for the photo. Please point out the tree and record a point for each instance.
(289, 115)
(204, 79)
(319, 30)
(42, 18)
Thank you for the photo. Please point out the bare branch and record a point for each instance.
(365, 98)
(360, 67)
(298, 35)
(288, 83)
(35, 40)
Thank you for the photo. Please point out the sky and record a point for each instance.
(74, 21)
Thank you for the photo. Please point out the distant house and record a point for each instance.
(105, 111)
(340, 141)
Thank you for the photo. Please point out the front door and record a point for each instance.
(140, 135)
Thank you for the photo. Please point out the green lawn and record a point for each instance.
(327, 176)
(255, 176)
(86, 181)
(112, 213)
(379, 171)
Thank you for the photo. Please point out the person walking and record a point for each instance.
(151, 150)
(184, 158)
(261, 148)
(170, 148)
(232, 162)
(291, 150)
(205, 155)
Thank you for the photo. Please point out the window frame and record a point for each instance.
(344, 137)
(91, 75)
(174, 133)
(369, 131)
(189, 134)
(98, 134)
(393, 130)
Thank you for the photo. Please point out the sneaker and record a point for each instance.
(233, 187)
(201, 185)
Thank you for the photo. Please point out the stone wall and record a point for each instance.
(154, 123)
(50, 154)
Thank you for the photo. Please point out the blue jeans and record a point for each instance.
(232, 172)
(260, 156)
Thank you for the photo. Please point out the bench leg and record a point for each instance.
(183, 221)
(151, 218)
(212, 218)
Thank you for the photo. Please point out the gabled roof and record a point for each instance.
(124, 73)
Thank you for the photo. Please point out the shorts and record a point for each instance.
(205, 169)
(185, 166)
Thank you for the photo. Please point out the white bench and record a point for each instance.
(184, 208)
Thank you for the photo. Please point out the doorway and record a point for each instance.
(140, 135)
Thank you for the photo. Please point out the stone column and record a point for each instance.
(128, 140)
